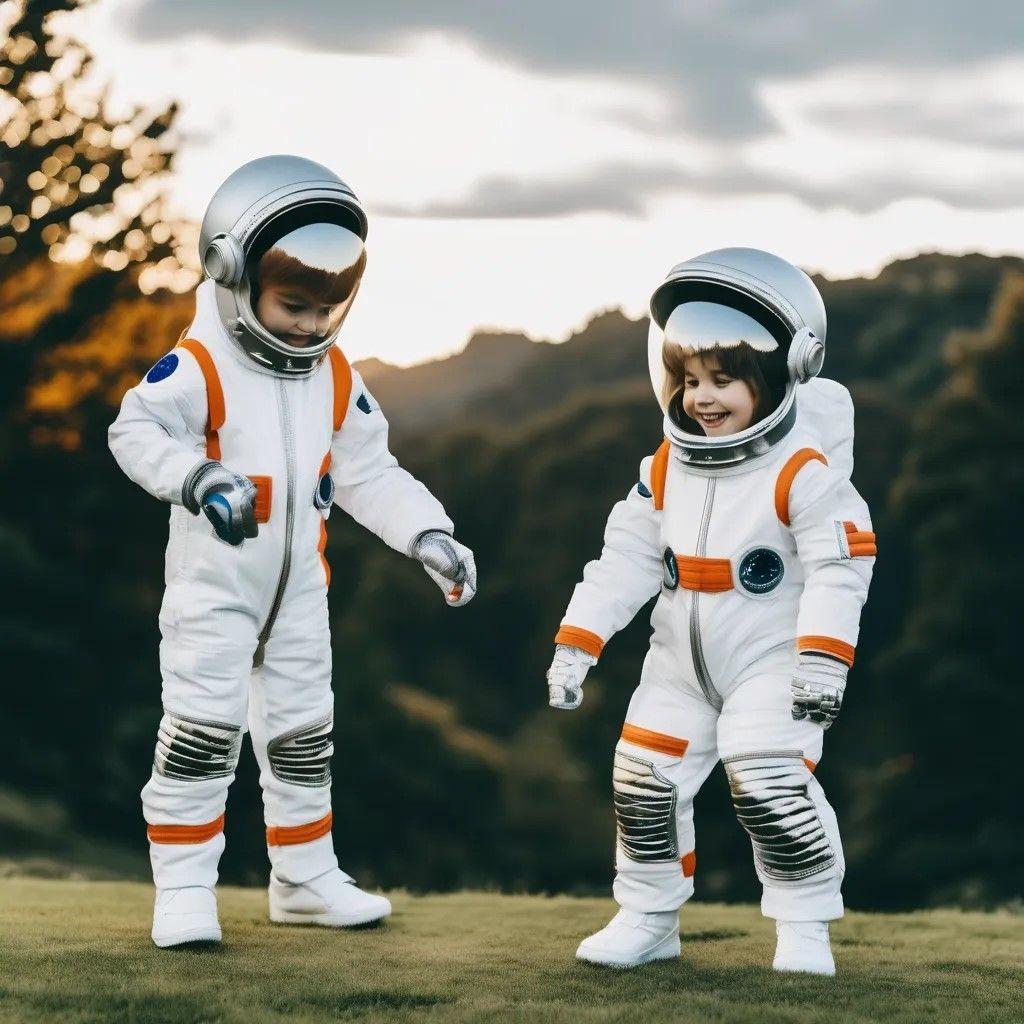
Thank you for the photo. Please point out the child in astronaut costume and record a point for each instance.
(746, 522)
(257, 421)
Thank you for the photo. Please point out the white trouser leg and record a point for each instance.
(666, 751)
(769, 759)
(205, 659)
(291, 712)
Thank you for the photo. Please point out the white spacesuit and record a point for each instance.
(762, 551)
(263, 436)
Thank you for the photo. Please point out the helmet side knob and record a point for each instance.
(223, 260)
(806, 356)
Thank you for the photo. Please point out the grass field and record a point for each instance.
(79, 952)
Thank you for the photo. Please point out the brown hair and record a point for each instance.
(277, 268)
(764, 373)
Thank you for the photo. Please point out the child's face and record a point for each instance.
(294, 316)
(719, 403)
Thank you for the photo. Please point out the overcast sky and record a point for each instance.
(526, 164)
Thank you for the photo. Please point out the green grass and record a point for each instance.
(79, 952)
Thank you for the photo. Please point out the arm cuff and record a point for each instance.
(573, 636)
(827, 645)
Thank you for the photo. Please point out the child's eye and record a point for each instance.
(690, 382)
(293, 307)
(723, 382)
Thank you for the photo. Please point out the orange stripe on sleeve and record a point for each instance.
(860, 542)
(215, 408)
(787, 475)
(659, 474)
(827, 645)
(181, 835)
(294, 835)
(581, 638)
(650, 740)
(341, 373)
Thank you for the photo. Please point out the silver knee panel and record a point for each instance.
(645, 810)
(302, 757)
(193, 750)
(769, 792)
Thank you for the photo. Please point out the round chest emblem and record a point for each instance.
(671, 569)
(761, 570)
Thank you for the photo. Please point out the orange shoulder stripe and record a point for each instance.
(181, 835)
(341, 374)
(659, 473)
(581, 638)
(827, 645)
(784, 483)
(215, 408)
(294, 835)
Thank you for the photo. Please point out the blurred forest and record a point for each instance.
(450, 769)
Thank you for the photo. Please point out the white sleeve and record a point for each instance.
(160, 431)
(371, 486)
(831, 525)
(626, 576)
(825, 410)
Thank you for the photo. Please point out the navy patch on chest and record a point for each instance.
(363, 403)
(162, 369)
(761, 570)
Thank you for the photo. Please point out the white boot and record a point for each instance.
(630, 939)
(803, 946)
(331, 899)
(185, 915)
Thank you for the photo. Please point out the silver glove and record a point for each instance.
(818, 688)
(448, 563)
(565, 677)
(227, 499)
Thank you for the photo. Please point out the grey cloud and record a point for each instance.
(706, 57)
(628, 189)
(612, 188)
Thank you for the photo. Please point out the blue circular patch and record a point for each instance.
(163, 369)
(761, 570)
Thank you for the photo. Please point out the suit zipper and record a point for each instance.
(287, 432)
(700, 666)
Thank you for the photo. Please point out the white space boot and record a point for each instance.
(803, 946)
(185, 915)
(630, 939)
(332, 900)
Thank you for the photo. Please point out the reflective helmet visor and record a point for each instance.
(310, 277)
(696, 327)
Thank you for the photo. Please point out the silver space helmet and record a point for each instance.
(718, 299)
(297, 208)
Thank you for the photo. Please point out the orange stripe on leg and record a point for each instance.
(573, 636)
(662, 742)
(293, 835)
(689, 862)
(181, 835)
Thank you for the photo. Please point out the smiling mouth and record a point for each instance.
(712, 419)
